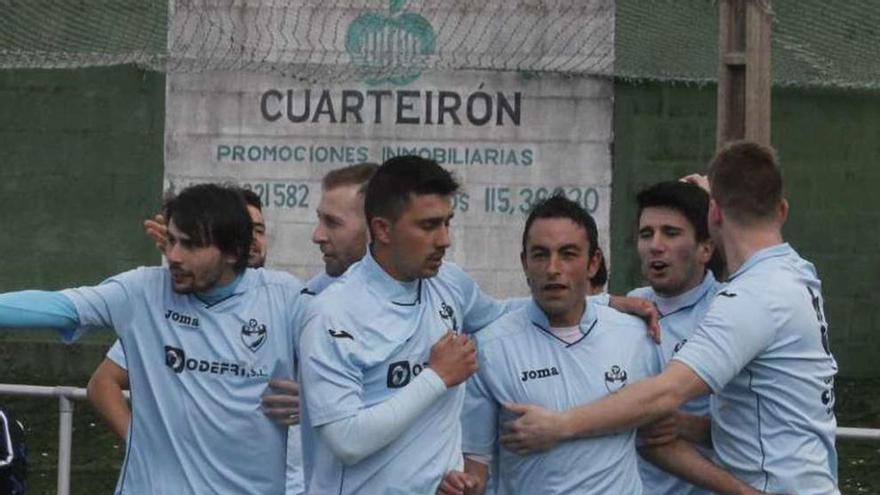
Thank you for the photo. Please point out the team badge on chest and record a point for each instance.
(615, 378)
(253, 335)
(448, 315)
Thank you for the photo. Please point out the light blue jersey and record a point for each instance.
(366, 337)
(295, 484)
(522, 361)
(763, 349)
(679, 317)
(318, 283)
(117, 355)
(197, 372)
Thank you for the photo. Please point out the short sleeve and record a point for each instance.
(479, 418)
(479, 309)
(603, 299)
(734, 331)
(107, 305)
(117, 355)
(332, 375)
(652, 357)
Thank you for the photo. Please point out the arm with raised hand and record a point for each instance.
(156, 229)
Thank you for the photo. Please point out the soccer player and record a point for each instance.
(675, 251)
(382, 351)
(559, 352)
(202, 339)
(762, 349)
(341, 233)
(110, 379)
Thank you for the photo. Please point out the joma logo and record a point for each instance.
(541, 373)
(182, 319)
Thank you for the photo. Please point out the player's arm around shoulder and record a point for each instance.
(737, 327)
(645, 401)
(637, 303)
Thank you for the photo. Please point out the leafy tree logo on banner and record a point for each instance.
(390, 47)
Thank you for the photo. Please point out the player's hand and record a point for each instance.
(457, 483)
(698, 180)
(156, 229)
(282, 406)
(642, 308)
(453, 358)
(694, 428)
(535, 430)
(660, 432)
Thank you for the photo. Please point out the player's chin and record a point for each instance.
(552, 305)
(430, 270)
(182, 287)
(333, 267)
(256, 260)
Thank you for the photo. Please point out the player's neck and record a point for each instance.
(385, 260)
(222, 289)
(680, 291)
(740, 243)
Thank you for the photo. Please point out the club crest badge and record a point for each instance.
(448, 315)
(615, 379)
(253, 335)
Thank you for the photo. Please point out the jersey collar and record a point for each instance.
(215, 295)
(539, 318)
(399, 293)
(669, 305)
(783, 249)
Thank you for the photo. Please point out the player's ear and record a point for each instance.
(783, 211)
(705, 250)
(593, 263)
(714, 215)
(523, 261)
(380, 230)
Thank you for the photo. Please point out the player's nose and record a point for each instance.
(319, 235)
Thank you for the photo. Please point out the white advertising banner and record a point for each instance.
(511, 138)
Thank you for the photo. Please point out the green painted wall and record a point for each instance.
(828, 147)
(75, 144)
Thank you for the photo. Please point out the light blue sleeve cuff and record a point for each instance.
(39, 309)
